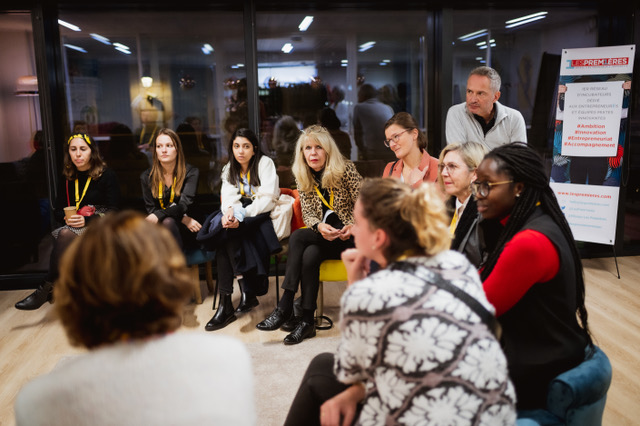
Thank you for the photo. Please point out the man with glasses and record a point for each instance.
(482, 118)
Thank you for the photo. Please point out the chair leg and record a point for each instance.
(277, 260)
(320, 303)
(195, 273)
(213, 288)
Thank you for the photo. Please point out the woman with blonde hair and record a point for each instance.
(329, 186)
(89, 189)
(456, 170)
(418, 341)
(125, 309)
(414, 165)
(169, 187)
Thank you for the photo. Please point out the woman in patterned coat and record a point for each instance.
(418, 343)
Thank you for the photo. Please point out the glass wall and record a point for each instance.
(311, 61)
(129, 74)
(23, 171)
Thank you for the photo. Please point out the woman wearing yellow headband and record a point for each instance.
(89, 189)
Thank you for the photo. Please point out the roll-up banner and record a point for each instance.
(590, 129)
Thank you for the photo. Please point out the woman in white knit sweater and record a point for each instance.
(121, 294)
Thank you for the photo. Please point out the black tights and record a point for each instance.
(60, 245)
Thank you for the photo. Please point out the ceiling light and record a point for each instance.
(386, 61)
(305, 23)
(344, 61)
(366, 46)
(525, 19)
(146, 81)
(383, 64)
(208, 47)
(122, 46)
(287, 48)
(68, 25)
(473, 35)
(73, 47)
(123, 50)
(100, 38)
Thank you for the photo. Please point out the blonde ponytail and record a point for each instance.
(415, 221)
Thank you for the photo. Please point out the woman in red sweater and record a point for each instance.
(532, 271)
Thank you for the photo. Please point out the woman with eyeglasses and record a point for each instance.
(329, 185)
(414, 165)
(456, 170)
(532, 273)
(89, 189)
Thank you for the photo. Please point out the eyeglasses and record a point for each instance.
(451, 168)
(483, 188)
(394, 138)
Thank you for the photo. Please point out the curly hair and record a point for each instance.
(125, 278)
(522, 164)
(415, 220)
(335, 164)
(96, 163)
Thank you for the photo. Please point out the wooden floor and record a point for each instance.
(31, 343)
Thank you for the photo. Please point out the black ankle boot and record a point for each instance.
(223, 316)
(248, 301)
(44, 293)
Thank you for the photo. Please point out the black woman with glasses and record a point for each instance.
(456, 170)
(414, 165)
(532, 272)
(89, 189)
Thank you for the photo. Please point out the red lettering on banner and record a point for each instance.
(599, 62)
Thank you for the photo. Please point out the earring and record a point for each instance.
(517, 195)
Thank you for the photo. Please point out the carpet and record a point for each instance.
(278, 370)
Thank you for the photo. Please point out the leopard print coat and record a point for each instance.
(344, 199)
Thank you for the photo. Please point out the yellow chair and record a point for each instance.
(331, 270)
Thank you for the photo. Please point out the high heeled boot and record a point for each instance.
(248, 301)
(223, 316)
(44, 293)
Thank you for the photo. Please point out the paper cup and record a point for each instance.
(69, 211)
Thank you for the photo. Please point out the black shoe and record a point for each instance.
(44, 293)
(291, 324)
(273, 321)
(247, 303)
(223, 316)
(304, 330)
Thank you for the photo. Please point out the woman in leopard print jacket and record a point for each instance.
(329, 186)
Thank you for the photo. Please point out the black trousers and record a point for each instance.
(318, 385)
(307, 250)
(227, 259)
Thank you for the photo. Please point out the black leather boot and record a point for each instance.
(248, 301)
(223, 316)
(44, 293)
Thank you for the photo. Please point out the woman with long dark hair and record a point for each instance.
(89, 189)
(249, 193)
(532, 273)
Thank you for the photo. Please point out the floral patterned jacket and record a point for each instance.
(423, 355)
(344, 199)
